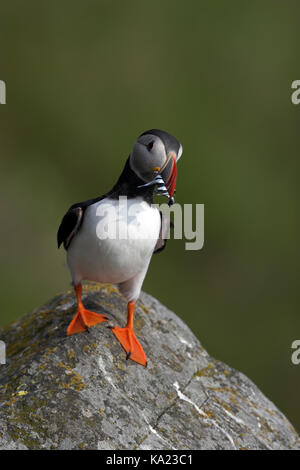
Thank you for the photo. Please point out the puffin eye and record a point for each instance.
(150, 145)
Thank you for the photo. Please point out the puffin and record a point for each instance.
(111, 238)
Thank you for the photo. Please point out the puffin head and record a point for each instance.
(154, 159)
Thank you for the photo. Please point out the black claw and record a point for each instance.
(146, 364)
(128, 356)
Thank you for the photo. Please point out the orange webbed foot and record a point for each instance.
(83, 319)
(130, 344)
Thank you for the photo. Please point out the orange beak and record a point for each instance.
(169, 175)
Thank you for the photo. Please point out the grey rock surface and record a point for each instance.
(79, 392)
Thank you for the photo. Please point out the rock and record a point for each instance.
(79, 392)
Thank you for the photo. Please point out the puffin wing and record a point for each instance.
(69, 226)
(163, 233)
(73, 219)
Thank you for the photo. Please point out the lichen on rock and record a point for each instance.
(79, 392)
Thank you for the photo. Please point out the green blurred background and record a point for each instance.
(84, 79)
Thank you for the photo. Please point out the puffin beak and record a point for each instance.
(169, 176)
(165, 179)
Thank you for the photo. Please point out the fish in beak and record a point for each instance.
(165, 179)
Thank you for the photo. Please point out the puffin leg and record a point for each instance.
(83, 317)
(128, 339)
